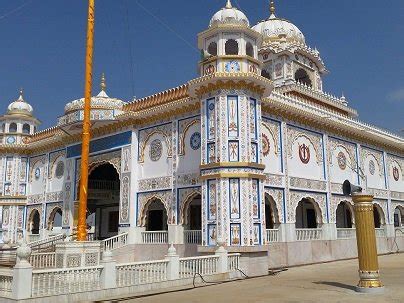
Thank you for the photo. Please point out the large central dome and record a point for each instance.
(275, 29)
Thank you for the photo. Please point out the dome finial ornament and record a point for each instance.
(272, 9)
(228, 4)
(21, 97)
(103, 82)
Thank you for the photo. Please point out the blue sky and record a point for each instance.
(148, 46)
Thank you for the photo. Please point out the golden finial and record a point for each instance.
(103, 82)
(228, 4)
(272, 8)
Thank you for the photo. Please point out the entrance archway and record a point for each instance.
(377, 216)
(156, 216)
(344, 215)
(193, 214)
(308, 214)
(34, 222)
(271, 213)
(55, 220)
(398, 216)
(103, 201)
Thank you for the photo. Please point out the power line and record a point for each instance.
(132, 71)
(15, 9)
(166, 26)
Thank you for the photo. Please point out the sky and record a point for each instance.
(146, 46)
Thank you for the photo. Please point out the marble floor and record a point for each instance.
(330, 282)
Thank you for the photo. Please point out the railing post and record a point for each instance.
(108, 274)
(173, 266)
(22, 274)
(135, 235)
(223, 260)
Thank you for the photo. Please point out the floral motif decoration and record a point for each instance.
(372, 167)
(341, 160)
(195, 141)
(265, 145)
(304, 153)
(396, 173)
(155, 150)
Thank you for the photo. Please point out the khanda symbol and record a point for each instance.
(304, 153)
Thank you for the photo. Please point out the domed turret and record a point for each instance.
(274, 28)
(229, 15)
(20, 107)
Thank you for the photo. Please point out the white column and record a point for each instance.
(173, 266)
(135, 235)
(22, 274)
(108, 274)
(175, 234)
(223, 261)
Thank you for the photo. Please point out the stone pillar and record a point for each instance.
(223, 261)
(390, 230)
(175, 234)
(22, 274)
(329, 231)
(366, 240)
(108, 274)
(173, 266)
(135, 235)
(287, 232)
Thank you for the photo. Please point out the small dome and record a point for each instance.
(20, 107)
(229, 15)
(276, 28)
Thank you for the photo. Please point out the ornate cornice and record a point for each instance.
(232, 164)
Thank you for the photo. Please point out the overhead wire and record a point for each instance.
(26, 3)
(167, 26)
(130, 50)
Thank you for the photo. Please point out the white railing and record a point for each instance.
(380, 232)
(307, 234)
(43, 260)
(193, 236)
(233, 262)
(155, 237)
(399, 231)
(201, 265)
(115, 242)
(272, 235)
(47, 242)
(64, 281)
(141, 273)
(6, 282)
(346, 233)
(33, 238)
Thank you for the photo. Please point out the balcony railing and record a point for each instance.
(346, 233)
(380, 232)
(193, 236)
(308, 234)
(272, 235)
(155, 237)
(399, 231)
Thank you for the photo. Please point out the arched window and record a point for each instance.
(376, 217)
(302, 77)
(344, 216)
(249, 50)
(12, 128)
(26, 129)
(156, 216)
(265, 74)
(3, 128)
(307, 214)
(212, 48)
(231, 47)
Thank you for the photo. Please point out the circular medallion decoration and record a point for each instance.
(341, 160)
(265, 56)
(232, 67)
(372, 167)
(155, 150)
(265, 145)
(304, 153)
(396, 173)
(60, 169)
(37, 173)
(10, 140)
(195, 141)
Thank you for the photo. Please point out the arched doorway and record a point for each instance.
(398, 217)
(344, 215)
(307, 214)
(55, 220)
(103, 202)
(193, 216)
(271, 213)
(302, 77)
(156, 216)
(377, 217)
(34, 222)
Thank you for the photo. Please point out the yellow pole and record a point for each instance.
(85, 150)
(366, 241)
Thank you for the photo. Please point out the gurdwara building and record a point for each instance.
(251, 153)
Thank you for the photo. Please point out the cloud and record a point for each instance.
(396, 96)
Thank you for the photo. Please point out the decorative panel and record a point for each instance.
(234, 198)
(232, 104)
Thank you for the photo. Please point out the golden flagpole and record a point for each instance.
(86, 135)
